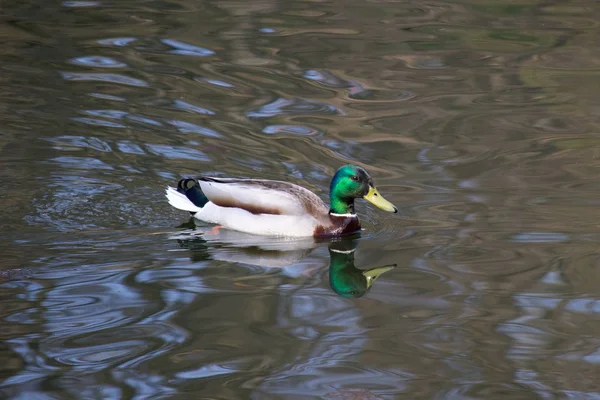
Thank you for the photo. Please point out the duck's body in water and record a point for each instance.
(267, 207)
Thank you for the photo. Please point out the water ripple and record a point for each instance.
(326, 78)
(291, 129)
(188, 127)
(98, 61)
(294, 107)
(177, 152)
(186, 49)
(182, 105)
(111, 78)
(113, 114)
(122, 41)
(80, 162)
(98, 122)
(216, 82)
(81, 3)
(67, 142)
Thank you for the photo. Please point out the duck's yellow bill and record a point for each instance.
(375, 198)
(374, 273)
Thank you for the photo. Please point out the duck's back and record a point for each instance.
(263, 196)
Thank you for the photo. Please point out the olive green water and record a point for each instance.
(479, 119)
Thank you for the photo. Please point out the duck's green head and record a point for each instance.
(344, 278)
(351, 182)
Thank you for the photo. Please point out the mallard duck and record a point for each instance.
(266, 207)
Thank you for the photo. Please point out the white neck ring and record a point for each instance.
(343, 251)
(343, 215)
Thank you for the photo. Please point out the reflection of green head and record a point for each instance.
(344, 278)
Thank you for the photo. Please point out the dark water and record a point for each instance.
(479, 119)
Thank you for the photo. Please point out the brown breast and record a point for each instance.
(338, 226)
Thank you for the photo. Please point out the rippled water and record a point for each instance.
(478, 119)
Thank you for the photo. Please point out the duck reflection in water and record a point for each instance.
(345, 278)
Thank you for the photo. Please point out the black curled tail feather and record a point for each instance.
(192, 191)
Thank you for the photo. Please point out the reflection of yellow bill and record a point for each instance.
(374, 273)
(375, 198)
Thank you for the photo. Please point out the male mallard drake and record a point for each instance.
(266, 207)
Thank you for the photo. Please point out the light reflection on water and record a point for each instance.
(478, 119)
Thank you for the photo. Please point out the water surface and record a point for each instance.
(479, 120)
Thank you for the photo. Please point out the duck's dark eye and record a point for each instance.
(354, 178)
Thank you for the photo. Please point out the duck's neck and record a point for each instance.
(341, 259)
(340, 206)
(344, 277)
